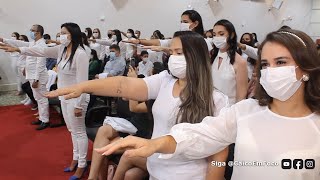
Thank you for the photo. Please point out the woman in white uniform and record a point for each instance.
(21, 63)
(185, 95)
(190, 21)
(229, 70)
(73, 65)
(14, 64)
(277, 135)
(101, 49)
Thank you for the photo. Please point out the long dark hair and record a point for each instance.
(132, 32)
(76, 40)
(118, 34)
(94, 53)
(195, 16)
(16, 34)
(252, 61)
(231, 40)
(306, 57)
(197, 96)
(159, 34)
(85, 39)
(89, 30)
(25, 38)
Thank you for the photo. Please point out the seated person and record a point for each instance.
(135, 168)
(115, 66)
(113, 128)
(145, 65)
(94, 64)
(51, 62)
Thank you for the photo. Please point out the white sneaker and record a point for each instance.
(25, 100)
(29, 102)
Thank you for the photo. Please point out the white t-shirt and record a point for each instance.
(167, 42)
(145, 68)
(165, 109)
(260, 135)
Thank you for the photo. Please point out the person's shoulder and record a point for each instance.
(219, 96)
(248, 106)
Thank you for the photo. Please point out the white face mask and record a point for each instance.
(220, 42)
(114, 37)
(129, 35)
(145, 59)
(96, 35)
(137, 35)
(185, 27)
(280, 82)
(64, 40)
(178, 66)
(58, 38)
(13, 38)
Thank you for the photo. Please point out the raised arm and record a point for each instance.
(103, 42)
(191, 141)
(248, 50)
(38, 51)
(151, 42)
(49, 52)
(120, 86)
(15, 43)
(241, 78)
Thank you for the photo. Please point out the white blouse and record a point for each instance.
(224, 77)
(260, 135)
(167, 42)
(165, 109)
(77, 73)
(100, 49)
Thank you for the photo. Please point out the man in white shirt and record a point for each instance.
(115, 66)
(145, 66)
(36, 73)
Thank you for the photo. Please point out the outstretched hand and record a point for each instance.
(134, 146)
(8, 48)
(68, 92)
(133, 41)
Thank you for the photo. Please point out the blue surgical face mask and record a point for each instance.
(112, 55)
(32, 35)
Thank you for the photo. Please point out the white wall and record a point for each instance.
(315, 20)
(145, 15)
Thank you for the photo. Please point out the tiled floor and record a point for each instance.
(9, 98)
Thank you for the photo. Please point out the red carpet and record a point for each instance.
(29, 154)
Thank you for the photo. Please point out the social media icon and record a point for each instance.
(297, 164)
(286, 164)
(309, 164)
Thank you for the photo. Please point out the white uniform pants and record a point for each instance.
(77, 128)
(21, 76)
(43, 103)
(14, 66)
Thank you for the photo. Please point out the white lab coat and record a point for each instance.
(35, 66)
(36, 70)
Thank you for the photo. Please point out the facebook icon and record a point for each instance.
(297, 164)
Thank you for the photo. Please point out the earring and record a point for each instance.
(305, 77)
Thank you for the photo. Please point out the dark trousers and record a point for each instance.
(27, 89)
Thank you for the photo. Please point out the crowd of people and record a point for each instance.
(200, 97)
